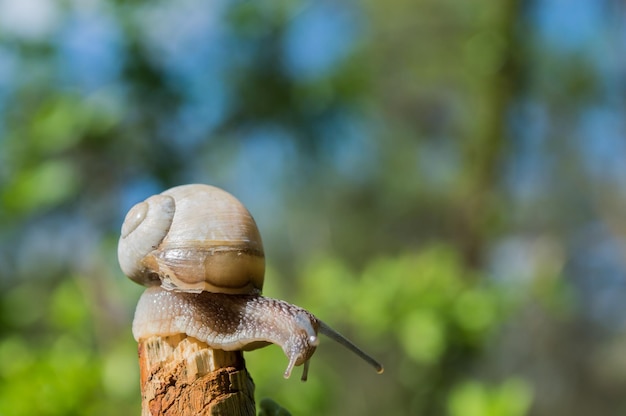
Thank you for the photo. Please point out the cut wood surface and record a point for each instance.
(180, 375)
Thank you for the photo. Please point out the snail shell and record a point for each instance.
(193, 238)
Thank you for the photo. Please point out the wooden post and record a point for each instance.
(182, 376)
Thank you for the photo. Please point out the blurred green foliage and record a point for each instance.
(49, 361)
(511, 398)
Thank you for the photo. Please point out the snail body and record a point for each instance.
(246, 322)
(199, 252)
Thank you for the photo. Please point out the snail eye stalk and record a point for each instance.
(336, 336)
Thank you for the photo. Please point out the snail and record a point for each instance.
(199, 252)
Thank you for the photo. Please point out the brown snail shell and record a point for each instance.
(193, 238)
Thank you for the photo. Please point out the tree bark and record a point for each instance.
(180, 375)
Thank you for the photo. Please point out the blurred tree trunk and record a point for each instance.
(483, 153)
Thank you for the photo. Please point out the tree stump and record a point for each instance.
(180, 375)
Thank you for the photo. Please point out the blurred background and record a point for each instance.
(442, 181)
